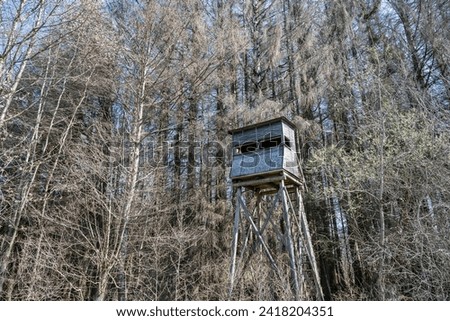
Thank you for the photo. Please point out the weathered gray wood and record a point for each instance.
(309, 247)
(260, 238)
(259, 161)
(255, 213)
(290, 162)
(268, 219)
(296, 237)
(237, 214)
(270, 121)
(259, 181)
(263, 160)
(300, 267)
(259, 133)
(289, 241)
(289, 132)
(270, 212)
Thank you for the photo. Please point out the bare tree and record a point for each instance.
(113, 160)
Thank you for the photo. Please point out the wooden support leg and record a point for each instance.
(237, 214)
(290, 243)
(300, 250)
(309, 247)
(295, 237)
(260, 238)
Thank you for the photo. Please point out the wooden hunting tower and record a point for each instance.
(267, 182)
(265, 149)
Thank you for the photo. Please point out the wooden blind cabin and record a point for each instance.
(265, 153)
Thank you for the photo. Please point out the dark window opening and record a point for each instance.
(272, 142)
(265, 144)
(247, 148)
(287, 142)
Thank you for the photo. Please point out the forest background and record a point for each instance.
(114, 156)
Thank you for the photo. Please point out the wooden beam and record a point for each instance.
(260, 238)
(289, 242)
(237, 214)
(309, 247)
(269, 218)
(258, 181)
(267, 178)
(271, 209)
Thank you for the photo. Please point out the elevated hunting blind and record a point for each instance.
(266, 179)
(264, 152)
